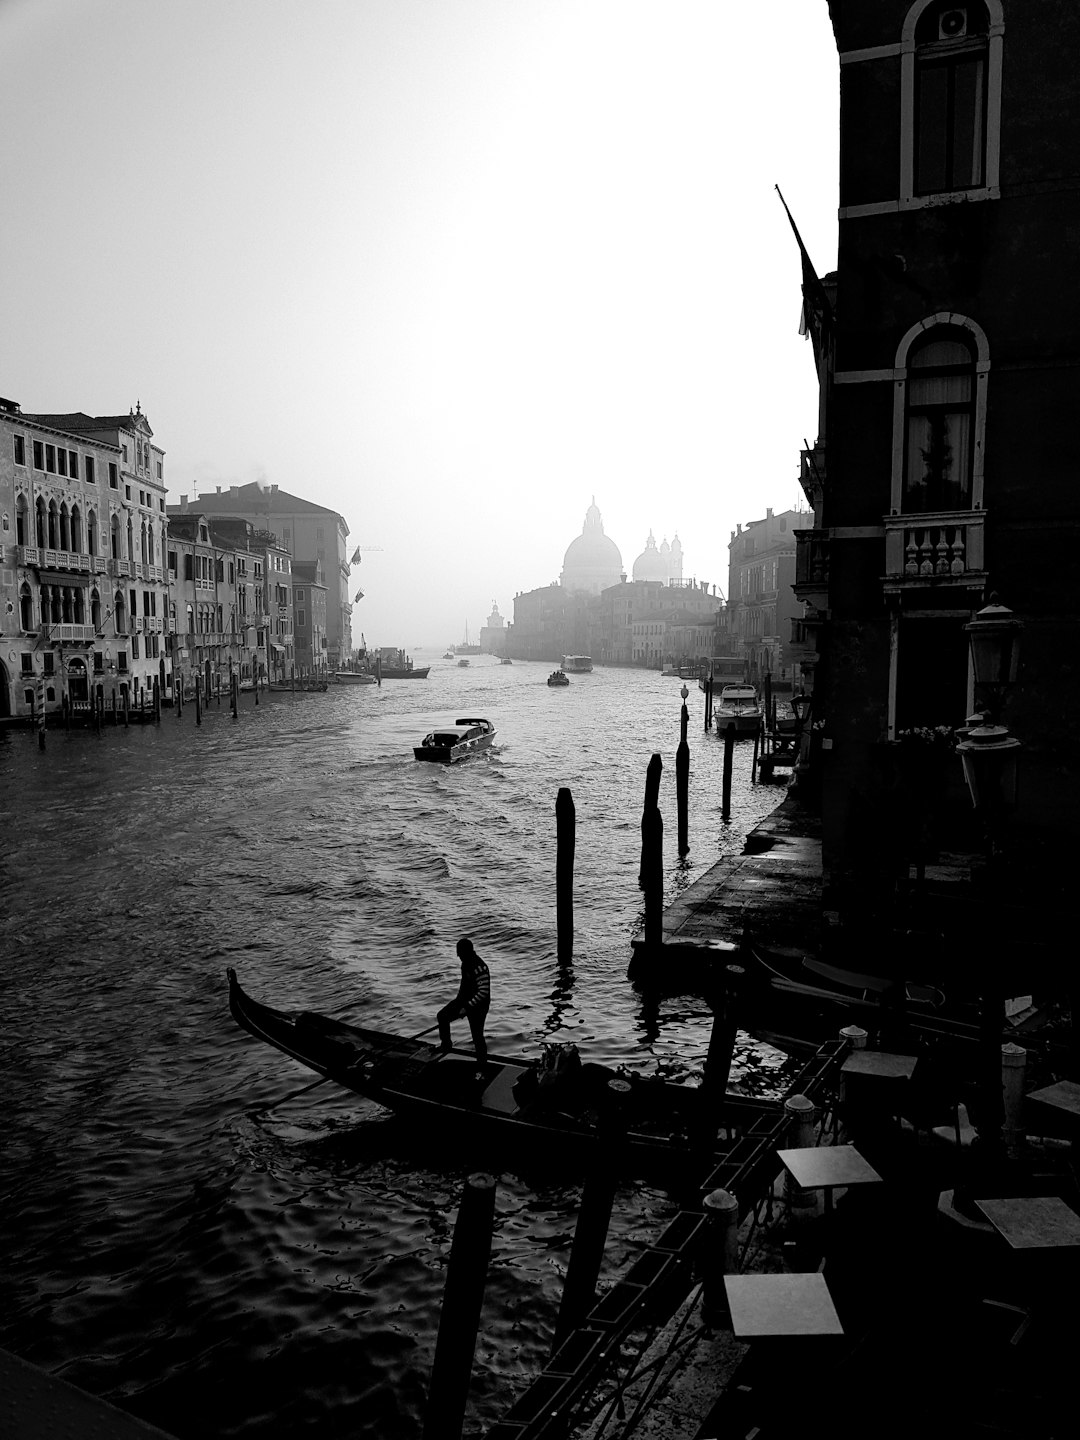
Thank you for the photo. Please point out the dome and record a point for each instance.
(650, 564)
(592, 562)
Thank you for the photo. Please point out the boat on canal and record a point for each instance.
(738, 705)
(456, 742)
(556, 1102)
(394, 664)
(577, 664)
(557, 677)
(351, 677)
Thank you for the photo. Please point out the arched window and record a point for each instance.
(142, 542)
(40, 522)
(76, 530)
(190, 619)
(950, 98)
(114, 537)
(150, 544)
(65, 528)
(67, 605)
(56, 604)
(95, 610)
(939, 417)
(91, 533)
(79, 598)
(119, 622)
(22, 521)
(130, 540)
(26, 607)
(940, 424)
(54, 526)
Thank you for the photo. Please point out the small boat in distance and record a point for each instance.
(557, 678)
(505, 660)
(393, 664)
(455, 742)
(466, 648)
(351, 677)
(448, 654)
(577, 664)
(738, 705)
(463, 662)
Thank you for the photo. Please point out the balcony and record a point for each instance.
(119, 567)
(29, 555)
(934, 552)
(812, 567)
(812, 474)
(69, 633)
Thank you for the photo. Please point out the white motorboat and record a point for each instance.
(577, 664)
(738, 705)
(455, 742)
(350, 677)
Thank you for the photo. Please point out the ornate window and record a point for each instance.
(26, 607)
(76, 529)
(950, 100)
(939, 417)
(91, 533)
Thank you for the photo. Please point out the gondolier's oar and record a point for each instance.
(429, 1031)
(291, 1096)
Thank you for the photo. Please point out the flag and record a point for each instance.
(817, 316)
(359, 597)
(355, 556)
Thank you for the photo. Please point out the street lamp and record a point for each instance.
(990, 753)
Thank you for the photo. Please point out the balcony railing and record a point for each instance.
(29, 555)
(63, 631)
(943, 549)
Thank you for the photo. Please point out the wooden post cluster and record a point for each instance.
(463, 1297)
(565, 842)
(652, 802)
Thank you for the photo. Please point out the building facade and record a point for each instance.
(309, 616)
(83, 575)
(309, 533)
(948, 354)
(761, 600)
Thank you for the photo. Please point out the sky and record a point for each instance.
(449, 267)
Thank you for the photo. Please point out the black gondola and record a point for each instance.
(563, 1108)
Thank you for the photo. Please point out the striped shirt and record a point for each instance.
(475, 991)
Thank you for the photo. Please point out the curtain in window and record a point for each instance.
(940, 419)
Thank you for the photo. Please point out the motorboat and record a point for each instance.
(463, 663)
(557, 678)
(505, 660)
(455, 742)
(394, 664)
(448, 654)
(737, 705)
(351, 677)
(577, 664)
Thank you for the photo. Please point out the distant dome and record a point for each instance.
(592, 562)
(650, 564)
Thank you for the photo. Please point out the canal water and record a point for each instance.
(181, 1237)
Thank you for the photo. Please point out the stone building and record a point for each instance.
(494, 633)
(663, 562)
(592, 561)
(761, 601)
(309, 615)
(83, 579)
(309, 532)
(948, 352)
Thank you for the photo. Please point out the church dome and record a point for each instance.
(650, 564)
(592, 562)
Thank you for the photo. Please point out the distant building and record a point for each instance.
(592, 561)
(494, 633)
(309, 532)
(82, 580)
(664, 563)
(761, 601)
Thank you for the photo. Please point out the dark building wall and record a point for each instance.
(1006, 262)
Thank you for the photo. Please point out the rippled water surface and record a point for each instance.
(180, 1237)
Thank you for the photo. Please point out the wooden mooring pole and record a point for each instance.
(198, 699)
(708, 702)
(729, 752)
(652, 802)
(682, 778)
(565, 841)
(594, 1217)
(652, 826)
(234, 688)
(463, 1297)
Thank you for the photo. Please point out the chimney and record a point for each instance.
(234, 489)
(183, 504)
(219, 489)
(768, 512)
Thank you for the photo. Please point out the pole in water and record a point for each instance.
(652, 802)
(708, 701)
(682, 779)
(198, 699)
(565, 841)
(652, 825)
(463, 1297)
(594, 1217)
(234, 688)
(729, 752)
(157, 701)
(754, 759)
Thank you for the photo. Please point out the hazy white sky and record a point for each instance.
(450, 267)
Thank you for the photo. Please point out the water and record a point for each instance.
(180, 1238)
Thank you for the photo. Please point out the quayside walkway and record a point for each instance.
(773, 890)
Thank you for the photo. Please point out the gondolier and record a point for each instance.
(471, 1001)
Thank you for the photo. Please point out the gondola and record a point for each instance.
(554, 1108)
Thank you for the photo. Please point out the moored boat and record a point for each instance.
(738, 705)
(454, 742)
(394, 664)
(577, 664)
(555, 1101)
(557, 678)
(351, 677)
